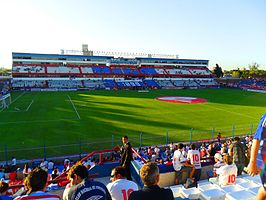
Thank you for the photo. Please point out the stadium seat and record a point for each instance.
(191, 193)
(212, 194)
(243, 195)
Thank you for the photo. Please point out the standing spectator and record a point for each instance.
(82, 188)
(226, 174)
(239, 157)
(181, 166)
(120, 188)
(126, 156)
(219, 136)
(253, 169)
(36, 185)
(193, 156)
(3, 190)
(150, 176)
(13, 161)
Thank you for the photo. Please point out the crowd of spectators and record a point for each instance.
(225, 155)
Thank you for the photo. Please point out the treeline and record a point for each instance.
(5, 72)
(253, 71)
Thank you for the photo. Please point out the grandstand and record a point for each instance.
(5, 98)
(66, 116)
(107, 72)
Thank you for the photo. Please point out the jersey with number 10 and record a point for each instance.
(227, 174)
(120, 189)
(194, 157)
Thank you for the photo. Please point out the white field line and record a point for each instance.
(14, 100)
(17, 98)
(232, 112)
(29, 106)
(74, 106)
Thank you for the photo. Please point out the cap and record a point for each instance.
(218, 156)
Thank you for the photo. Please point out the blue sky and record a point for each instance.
(231, 33)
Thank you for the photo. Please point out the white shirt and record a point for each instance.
(194, 157)
(50, 165)
(120, 189)
(14, 161)
(178, 159)
(227, 174)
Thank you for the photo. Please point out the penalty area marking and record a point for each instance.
(73, 106)
(29, 106)
(14, 100)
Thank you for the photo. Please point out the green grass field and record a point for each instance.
(61, 123)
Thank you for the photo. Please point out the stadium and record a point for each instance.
(77, 107)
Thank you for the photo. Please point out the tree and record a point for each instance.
(5, 72)
(253, 69)
(236, 73)
(218, 71)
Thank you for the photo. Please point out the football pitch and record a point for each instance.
(63, 123)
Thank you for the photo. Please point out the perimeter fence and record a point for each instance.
(82, 147)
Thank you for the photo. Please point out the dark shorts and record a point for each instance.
(183, 174)
(197, 174)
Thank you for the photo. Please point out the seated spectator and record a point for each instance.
(55, 173)
(218, 163)
(193, 156)
(3, 190)
(26, 170)
(181, 166)
(120, 187)
(156, 150)
(82, 188)
(224, 148)
(36, 185)
(50, 165)
(150, 176)
(226, 174)
(211, 151)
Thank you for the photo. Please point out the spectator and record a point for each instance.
(219, 136)
(218, 163)
(253, 169)
(50, 165)
(224, 148)
(226, 174)
(26, 170)
(193, 156)
(36, 185)
(82, 188)
(211, 151)
(181, 166)
(239, 156)
(3, 190)
(126, 156)
(120, 188)
(55, 173)
(150, 176)
(13, 161)
(156, 150)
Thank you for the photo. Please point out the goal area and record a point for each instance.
(5, 101)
